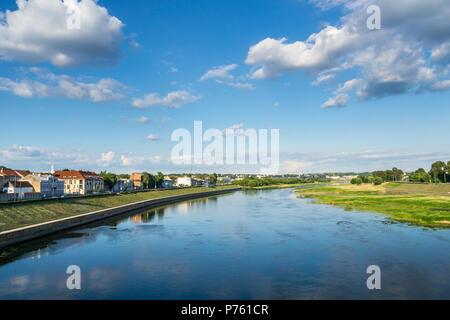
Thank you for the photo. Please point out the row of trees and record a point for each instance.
(257, 182)
(439, 173)
(149, 180)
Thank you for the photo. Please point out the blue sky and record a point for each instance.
(77, 112)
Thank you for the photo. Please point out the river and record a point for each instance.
(265, 244)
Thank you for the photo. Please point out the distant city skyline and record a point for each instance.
(107, 96)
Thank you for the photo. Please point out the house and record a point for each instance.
(224, 180)
(137, 180)
(167, 183)
(123, 185)
(21, 190)
(208, 184)
(12, 175)
(81, 182)
(184, 182)
(46, 184)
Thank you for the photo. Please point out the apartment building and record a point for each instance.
(46, 184)
(136, 179)
(80, 182)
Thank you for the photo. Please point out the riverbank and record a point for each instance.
(285, 186)
(39, 230)
(18, 215)
(424, 205)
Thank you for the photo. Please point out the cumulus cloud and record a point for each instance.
(222, 75)
(173, 99)
(356, 161)
(37, 31)
(393, 60)
(16, 154)
(106, 159)
(294, 166)
(338, 101)
(41, 83)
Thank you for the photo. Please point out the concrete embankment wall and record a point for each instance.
(39, 230)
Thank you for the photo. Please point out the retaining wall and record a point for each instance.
(42, 229)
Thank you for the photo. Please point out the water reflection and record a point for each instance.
(255, 244)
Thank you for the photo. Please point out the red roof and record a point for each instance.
(13, 173)
(77, 175)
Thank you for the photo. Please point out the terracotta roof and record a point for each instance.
(77, 175)
(13, 173)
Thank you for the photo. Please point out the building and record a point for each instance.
(46, 184)
(12, 175)
(81, 182)
(224, 180)
(123, 185)
(167, 183)
(21, 190)
(137, 181)
(184, 182)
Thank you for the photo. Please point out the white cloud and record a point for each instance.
(390, 61)
(106, 159)
(222, 75)
(293, 166)
(41, 83)
(37, 32)
(327, 78)
(276, 104)
(174, 99)
(17, 154)
(153, 137)
(130, 160)
(340, 100)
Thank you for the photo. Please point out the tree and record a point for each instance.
(377, 181)
(148, 180)
(213, 178)
(381, 174)
(123, 176)
(357, 181)
(437, 171)
(109, 179)
(159, 179)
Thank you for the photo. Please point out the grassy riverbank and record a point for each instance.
(425, 205)
(285, 186)
(17, 215)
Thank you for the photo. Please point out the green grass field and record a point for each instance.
(425, 205)
(17, 215)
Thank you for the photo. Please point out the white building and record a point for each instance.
(123, 185)
(45, 184)
(184, 182)
(20, 188)
(81, 182)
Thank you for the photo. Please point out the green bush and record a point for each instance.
(377, 181)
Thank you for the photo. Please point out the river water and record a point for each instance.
(265, 244)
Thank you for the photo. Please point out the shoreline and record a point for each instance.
(415, 206)
(22, 234)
